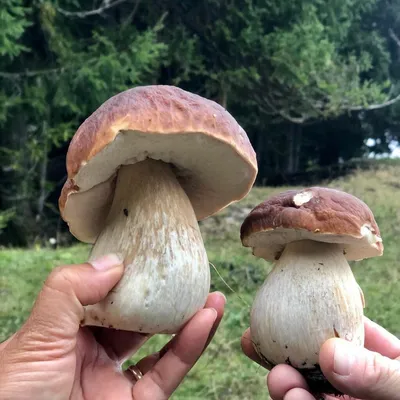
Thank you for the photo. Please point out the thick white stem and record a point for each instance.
(153, 226)
(311, 295)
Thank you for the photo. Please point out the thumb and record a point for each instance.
(59, 309)
(359, 372)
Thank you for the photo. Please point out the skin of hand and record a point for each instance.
(370, 373)
(52, 358)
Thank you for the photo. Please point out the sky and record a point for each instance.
(394, 147)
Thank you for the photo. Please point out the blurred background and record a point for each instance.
(315, 84)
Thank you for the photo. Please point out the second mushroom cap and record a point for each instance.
(316, 213)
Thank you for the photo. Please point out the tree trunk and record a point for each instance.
(223, 101)
(294, 141)
(257, 143)
(298, 142)
(17, 192)
(290, 149)
(277, 162)
(43, 175)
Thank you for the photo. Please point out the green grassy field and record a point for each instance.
(223, 372)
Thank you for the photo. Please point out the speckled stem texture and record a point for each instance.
(153, 226)
(311, 295)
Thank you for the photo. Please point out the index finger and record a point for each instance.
(249, 350)
(185, 349)
(378, 339)
(162, 380)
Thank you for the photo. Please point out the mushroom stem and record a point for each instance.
(311, 295)
(152, 225)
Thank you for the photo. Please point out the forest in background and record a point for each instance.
(309, 80)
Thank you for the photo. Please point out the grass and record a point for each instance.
(223, 371)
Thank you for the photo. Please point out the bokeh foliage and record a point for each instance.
(297, 75)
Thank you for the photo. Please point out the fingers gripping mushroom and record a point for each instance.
(311, 294)
(142, 170)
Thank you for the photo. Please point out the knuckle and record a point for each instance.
(376, 370)
(379, 371)
(59, 280)
(157, 377)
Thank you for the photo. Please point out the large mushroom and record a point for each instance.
(311, 294)
(142, 170)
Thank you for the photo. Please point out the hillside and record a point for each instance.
(223, 372)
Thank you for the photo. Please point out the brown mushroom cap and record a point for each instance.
(320, 214)
(210, 153)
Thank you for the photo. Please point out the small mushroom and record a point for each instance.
(142, 170)
(311, 294)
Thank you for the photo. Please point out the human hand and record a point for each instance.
(370, 373)
(52, 357)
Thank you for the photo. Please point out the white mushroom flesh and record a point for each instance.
(311, 295)
(152, 225)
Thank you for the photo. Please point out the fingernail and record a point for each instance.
(220, 294)
(106, 262)
(343, 358)
(211, 311)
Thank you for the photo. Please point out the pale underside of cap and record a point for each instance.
(210, 153)
(270, 244)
